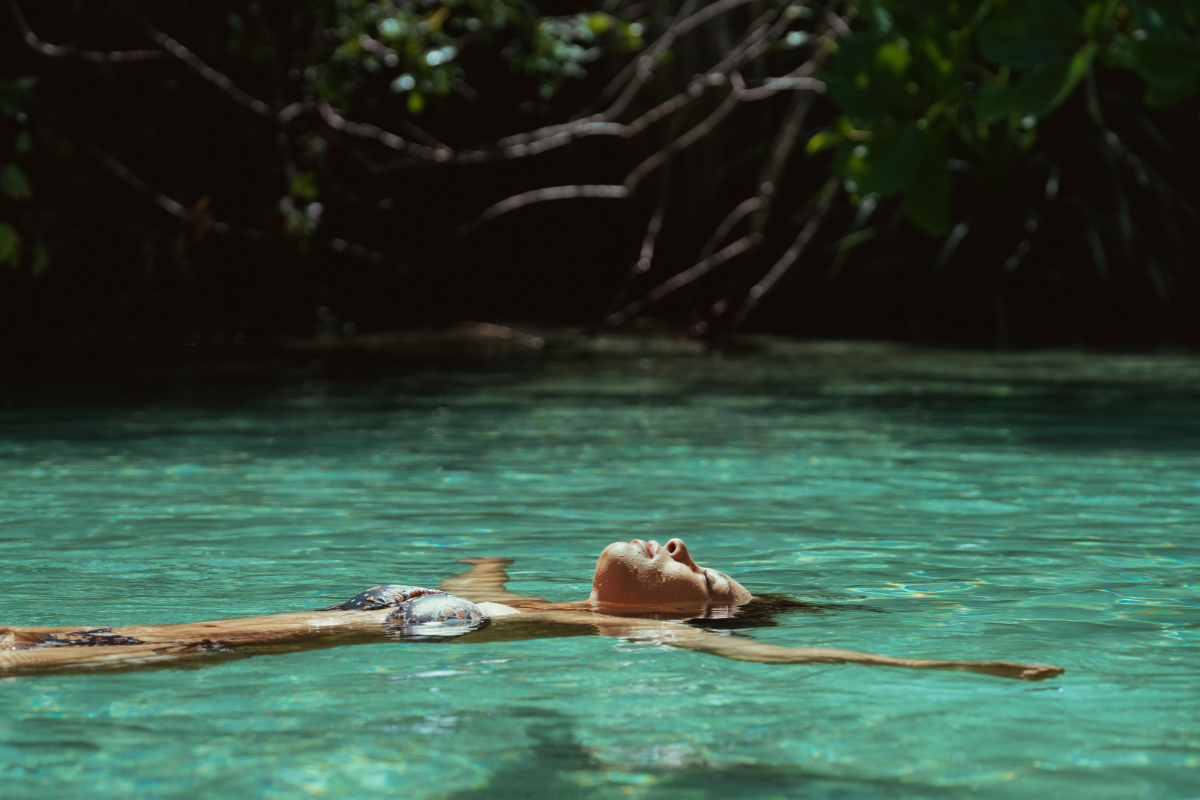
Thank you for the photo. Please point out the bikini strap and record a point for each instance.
(388, 595)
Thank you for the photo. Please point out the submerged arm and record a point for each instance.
(484, 583)
(688, 638)
(746, 650)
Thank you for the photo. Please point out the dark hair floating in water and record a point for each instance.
(762, 609)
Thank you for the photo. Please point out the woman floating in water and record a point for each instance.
(641, 591)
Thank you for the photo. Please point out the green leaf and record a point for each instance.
(599, 23)
(848, 95)
(822, 140)
(416, 102)
(891, 162)
(1151, 16)
(929, 193)
(14, 183)
(1045, 87)
(996, 100)
(1171, 67)
(878, 16)
(894, 56)
(863, 82)
(1033, 33)
(10, 245)
(305, 187)
(41, 258)
(1119, 53)
(1098, 16)
(24, 142)
(1078, 69)
(937, 59)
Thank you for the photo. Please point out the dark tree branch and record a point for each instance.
(358, 251)
(763, 33)
(682, 279)
(541, 196)
(752, 46)
(793, 253)
(197, 218)
(727, 225)
(783, 84)
(282, 116)
(690, 137)
(288, 113)
(785, 143)
(649, 239)
(641, 69)
(216, 78)
(653, 228)
(786, 140)
(201, 222)
(838, 24)
(772, 172)
(121, 171)
(364, 130)
(66, 51)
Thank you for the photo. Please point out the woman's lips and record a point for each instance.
(649, 547)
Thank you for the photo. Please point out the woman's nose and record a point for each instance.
(678, 551)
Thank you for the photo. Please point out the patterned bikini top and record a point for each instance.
(418, 613)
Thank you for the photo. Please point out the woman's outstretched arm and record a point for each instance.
(688, 638)
(746, 650)
(484, 583)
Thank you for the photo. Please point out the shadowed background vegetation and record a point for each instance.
(220, 173)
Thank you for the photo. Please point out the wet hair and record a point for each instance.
(762, 610)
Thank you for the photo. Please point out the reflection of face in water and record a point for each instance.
(647, 573)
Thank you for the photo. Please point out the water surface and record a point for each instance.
(1039, 508)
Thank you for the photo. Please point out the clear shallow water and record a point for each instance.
(1043, 509)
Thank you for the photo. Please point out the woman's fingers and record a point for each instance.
(1040, 672)
(1013, 669)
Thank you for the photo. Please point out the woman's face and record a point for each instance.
(647, 573)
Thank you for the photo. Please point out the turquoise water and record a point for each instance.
(1040, 508)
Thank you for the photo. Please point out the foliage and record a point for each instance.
(360, 54)
(925, 78)
(16, 140)
(421, 49)
(942, 103)
(259, 148)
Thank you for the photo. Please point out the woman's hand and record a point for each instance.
(1011, 669)
(484, 582)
